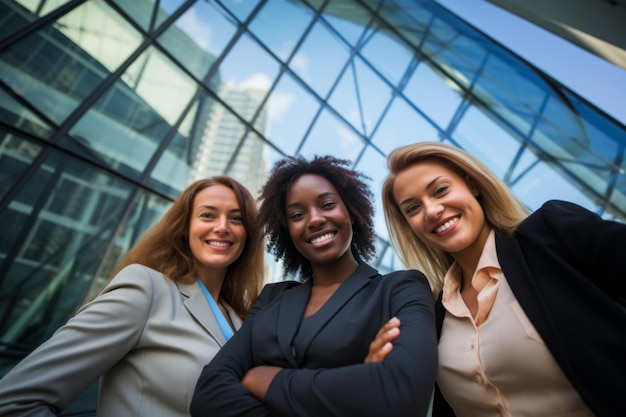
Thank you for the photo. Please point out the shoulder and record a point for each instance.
(558, 211)
(139, 278)
(272, 290)
(411, 275)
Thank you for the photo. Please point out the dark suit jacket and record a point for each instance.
(567, 269)
(326, 376)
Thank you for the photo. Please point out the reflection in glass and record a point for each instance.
(53, 251)
(60, 65)
(126, 125)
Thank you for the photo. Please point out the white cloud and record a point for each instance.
(196, 28)
(258, 81)
(278, 105)
(300, 63)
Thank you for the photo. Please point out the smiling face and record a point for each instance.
(318, 221)
(441, 208)
(216, 232)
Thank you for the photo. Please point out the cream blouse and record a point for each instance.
(496, 364)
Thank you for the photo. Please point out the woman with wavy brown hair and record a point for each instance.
(172, 303)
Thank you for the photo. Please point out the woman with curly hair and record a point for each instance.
(530, 311)
(301, 349)
(171, 304)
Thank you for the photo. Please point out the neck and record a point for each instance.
(334, 272)
(468, 258)
(213, 283)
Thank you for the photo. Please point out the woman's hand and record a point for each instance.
(381, 346)
(258, 379)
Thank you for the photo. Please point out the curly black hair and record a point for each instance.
(355, 193)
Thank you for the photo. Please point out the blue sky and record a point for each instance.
(600, 82)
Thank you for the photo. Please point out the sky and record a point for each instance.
(598, 81)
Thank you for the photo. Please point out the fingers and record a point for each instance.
(382, 345)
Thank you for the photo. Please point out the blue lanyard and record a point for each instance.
(227, 331)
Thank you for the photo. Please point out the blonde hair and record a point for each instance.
(165, 246)
(503, 211)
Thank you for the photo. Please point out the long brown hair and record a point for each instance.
(165, 247)
(503, 211)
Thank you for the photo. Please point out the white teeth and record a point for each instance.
(220, 244)
(322, 238)
(446, 225)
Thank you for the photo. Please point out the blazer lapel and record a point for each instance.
(289, 317)
(197, 305)
(342, 295)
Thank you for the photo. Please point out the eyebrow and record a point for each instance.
(326, 194)
(204, 206)
(430, 184)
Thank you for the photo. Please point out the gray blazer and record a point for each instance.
(146, 336)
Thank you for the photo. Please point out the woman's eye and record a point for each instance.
(237, 219)
(441, 189)
(328, 205)
(295, 215)
(412, 209)
(206, 215)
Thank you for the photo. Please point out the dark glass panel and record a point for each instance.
(127, 124)
(53, 250)
(57, 67)
(16, 155)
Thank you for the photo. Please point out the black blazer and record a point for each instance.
(567, 268)
(326, 376)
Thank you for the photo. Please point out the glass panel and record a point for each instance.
(350, 27)
(58, 231)
(290, 109)
(126, 125)
(331, 136)
(140, 11)
(14, 114)
(320, 46)
(15, 15)
(390, 55)
(241, 9)
(199, 37)
(402, 125)
(215, 137)
(252, 163)
(433, 95)
(542, 183)
(280, 24)
(16, 155)
(487, 141)
(244, 86)
(60, 65)
(360, 97)
(146, 209)
(191, 150)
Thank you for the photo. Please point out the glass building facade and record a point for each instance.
(109, 108)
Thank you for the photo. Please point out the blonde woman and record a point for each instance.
(530, 313)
